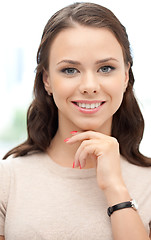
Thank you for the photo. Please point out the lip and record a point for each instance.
(87, 101)
(88, 110)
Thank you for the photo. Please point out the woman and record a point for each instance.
(81, 159)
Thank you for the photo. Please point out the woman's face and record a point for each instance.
(87, 77)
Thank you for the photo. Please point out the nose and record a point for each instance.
(89, 84)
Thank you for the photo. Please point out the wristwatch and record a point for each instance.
(129, 204)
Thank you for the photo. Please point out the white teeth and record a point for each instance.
(93, 105)
(89, 106)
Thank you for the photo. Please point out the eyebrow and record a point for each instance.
(78, 63)
(106, 60)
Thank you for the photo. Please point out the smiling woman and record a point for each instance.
(80, 82)
(82, 154)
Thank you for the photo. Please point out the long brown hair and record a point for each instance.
(42, 115)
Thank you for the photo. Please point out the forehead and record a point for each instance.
(81, 41)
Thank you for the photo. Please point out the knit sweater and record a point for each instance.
(41, 200)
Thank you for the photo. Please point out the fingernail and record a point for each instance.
(77, 164)
(80, 166)
(73, 164)
(67, 139)
(73, 132)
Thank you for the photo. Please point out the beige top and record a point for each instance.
(41, 200)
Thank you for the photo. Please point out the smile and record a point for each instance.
(88, 107)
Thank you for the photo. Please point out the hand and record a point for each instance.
(105, 150)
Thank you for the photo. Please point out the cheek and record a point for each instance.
(116, 91)
(115, 87)
(62, 89)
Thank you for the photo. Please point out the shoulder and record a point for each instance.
(12, 161)
(135, 170)
(136, 177)
(12, 165)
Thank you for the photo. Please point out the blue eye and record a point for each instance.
(106, 69)
(69, 71)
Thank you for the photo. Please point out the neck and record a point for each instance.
(63, 153)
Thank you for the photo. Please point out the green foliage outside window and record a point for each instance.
(16, 129)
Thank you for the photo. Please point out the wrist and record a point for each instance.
(123, 205)
(117, 194)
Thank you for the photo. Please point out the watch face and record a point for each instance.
(134, 204)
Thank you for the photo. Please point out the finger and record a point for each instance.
(81, 148)
(87, 135)
(81, 158)
(80, 163)
(87, 149)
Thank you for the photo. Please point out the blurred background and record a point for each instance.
(21, 27)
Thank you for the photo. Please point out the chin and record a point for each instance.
(104, 128)
(90, 127)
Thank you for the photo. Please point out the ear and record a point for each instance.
(127, 68)
(46, 81)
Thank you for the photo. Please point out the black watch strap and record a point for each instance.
(122, 205)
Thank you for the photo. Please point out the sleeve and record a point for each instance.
(4, 191)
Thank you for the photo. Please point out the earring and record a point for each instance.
(50, 94)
